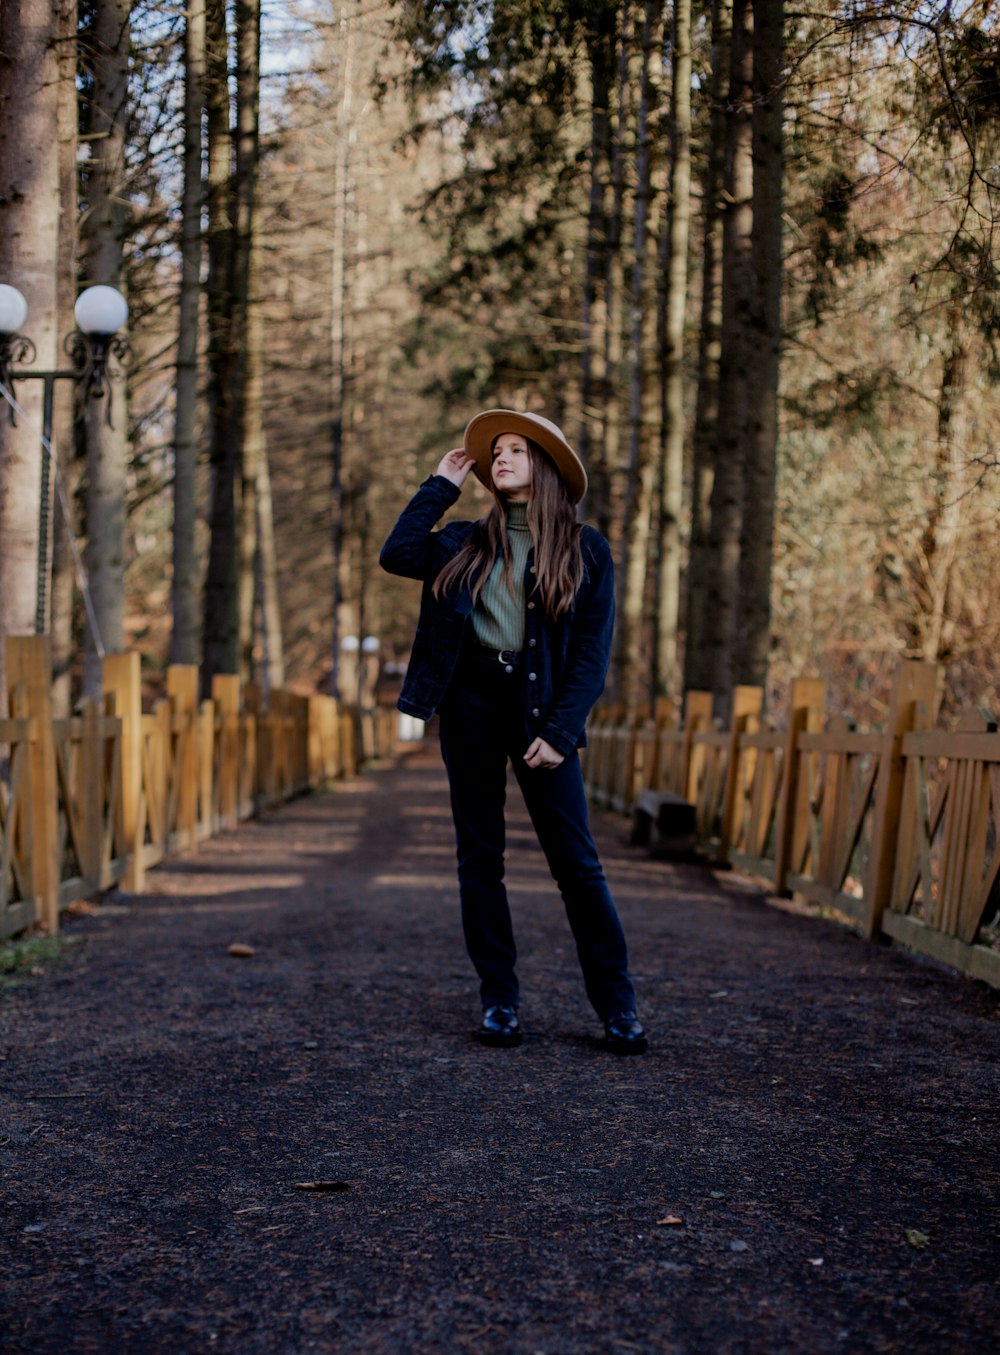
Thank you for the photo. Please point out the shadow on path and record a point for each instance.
(808, 1101)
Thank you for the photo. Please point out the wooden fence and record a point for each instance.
(898, 829)
(99, 798)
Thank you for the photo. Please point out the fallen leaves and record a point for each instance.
(241, 950)
(917, 1240)
(322, 1186)
(669, 1221)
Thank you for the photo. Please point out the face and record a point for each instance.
(512, 466)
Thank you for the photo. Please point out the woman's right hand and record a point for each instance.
(455, 466)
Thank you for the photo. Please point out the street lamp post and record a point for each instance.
(98, 353)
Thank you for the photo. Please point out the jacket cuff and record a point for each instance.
(561, 741)
(443, 486)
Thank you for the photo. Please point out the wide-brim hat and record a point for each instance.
(486, 427)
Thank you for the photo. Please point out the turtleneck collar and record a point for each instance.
(517, 515)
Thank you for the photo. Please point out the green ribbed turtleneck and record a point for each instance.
(498, 616)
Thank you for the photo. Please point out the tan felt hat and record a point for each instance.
(485, 427)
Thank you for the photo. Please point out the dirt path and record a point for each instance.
(807, 1100)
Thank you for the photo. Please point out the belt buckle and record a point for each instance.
(506, 657)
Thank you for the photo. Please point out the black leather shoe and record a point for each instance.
(500, 1028)
(624, 1035)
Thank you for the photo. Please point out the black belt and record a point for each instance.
(507, 657)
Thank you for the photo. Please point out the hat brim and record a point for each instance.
(485, 427)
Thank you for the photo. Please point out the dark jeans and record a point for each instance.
(482, 725)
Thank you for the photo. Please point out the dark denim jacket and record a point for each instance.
(564, 663)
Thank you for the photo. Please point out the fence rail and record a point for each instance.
(99, 798)
(899, 829)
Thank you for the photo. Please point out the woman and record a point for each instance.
(512, 650)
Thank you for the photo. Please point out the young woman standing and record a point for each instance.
(512, 650)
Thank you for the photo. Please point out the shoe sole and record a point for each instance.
(625, 1047)
(498, 1041)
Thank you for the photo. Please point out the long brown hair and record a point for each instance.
(555, 535)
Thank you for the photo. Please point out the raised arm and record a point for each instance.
(408, 548)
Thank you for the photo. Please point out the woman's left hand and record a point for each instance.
(542, 755)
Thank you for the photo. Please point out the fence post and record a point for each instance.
(29, 665)
(805, 712)
(912, 706)
(182, 688)
(746, 708)
(226, 695)
(121, 678)
(697, 715)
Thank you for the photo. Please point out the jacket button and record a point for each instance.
(532, 642)
(531, 606)
(532, 677)
(535, 712)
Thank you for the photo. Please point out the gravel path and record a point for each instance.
(807, 1160)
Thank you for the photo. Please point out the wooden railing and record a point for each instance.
(897, 829)
(97, 799)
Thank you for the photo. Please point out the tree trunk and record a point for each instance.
(606, 467)
(29, 242)
(641, 465)
(103, 235)
(339, 685)
(184, 643)
(65, 471)
(934, 567)
(760, 473)
(601, 41)
(272, 642)
(697, 665)
(671, 478)
(220, 626)
(737, 295)
(247, 342)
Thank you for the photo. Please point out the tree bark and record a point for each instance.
(933, 568)
(272, 640)
(760, 472)
(248, 335)
(102, 237)
(641, 463)
(340, 684)
(606, 468)
(697, 664)
(29, 241)
(726, 506)
(672, 426)
(184, 643)
(65, 471)
(601, 44)
(220, 625)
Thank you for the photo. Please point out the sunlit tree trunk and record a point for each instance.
(697, 667)
(671, 477)
(184, 645)
(641, 463)
(29, 240)
(737, 298)
(65, 473)
(933, 568)
(272, 640)
(753, 630)
(339, 364)
(102, 237)
(247, 341)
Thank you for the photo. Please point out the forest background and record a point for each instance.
(743, 255)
